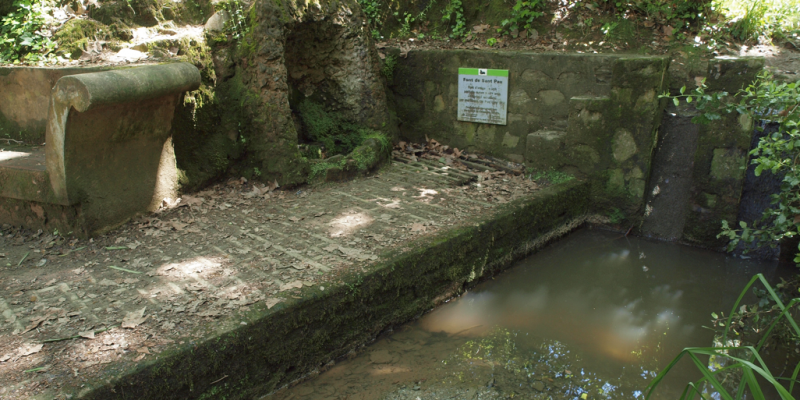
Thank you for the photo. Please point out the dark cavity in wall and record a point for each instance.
(756, 195)
(310, 59)
(669, 191)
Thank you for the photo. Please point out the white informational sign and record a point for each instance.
(483, 95)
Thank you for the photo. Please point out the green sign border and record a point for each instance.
(489, 72)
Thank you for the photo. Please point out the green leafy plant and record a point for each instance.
(608, 28)
(372, 9)
(616, 215)
(552, 176)
(523, 14)
(21, 33)
(389, 62)
(779, 153)
(236, 26)
(453, 15)
(676, 14)
(491, 41)
(749, 19)
(745, 359)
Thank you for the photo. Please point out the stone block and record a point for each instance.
(728, 164)
(624, 145)
(543, 149)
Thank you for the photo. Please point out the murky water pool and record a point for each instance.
(595, 314)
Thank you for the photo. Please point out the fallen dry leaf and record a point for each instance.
(291, 285)
(87, 334)
(134, 318)
(417, 227)
(480, 28)
(35, 322)
(187, 200)
(271, 302)
(29, 348)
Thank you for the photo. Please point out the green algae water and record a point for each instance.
(593, 316)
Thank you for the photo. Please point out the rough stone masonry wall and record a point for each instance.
(324, 50)
(590, 115)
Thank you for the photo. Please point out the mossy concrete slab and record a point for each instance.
(247, 291)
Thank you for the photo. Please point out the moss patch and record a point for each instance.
(73, 37)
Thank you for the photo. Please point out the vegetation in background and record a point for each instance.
(408, 18)
(523, 14)
(372, 9)
(389, 62)
(335, 134)
(551, 176)
(751, 18)
(236, 26)
(453, 16)
(362, 157)
(22, 33)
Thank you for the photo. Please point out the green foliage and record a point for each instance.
(236, 26)
(364, 156)
(388, 67)
(675, 13)
(749, 19)
(337, 135)
(779, 153)
(616, 215)
(491, 41)
(750, 24)
(745, 359)
(320, 168)
(21, 37)
(522, 15)
(453, 16)
(372, 9)
(552, 176)
(408, 19)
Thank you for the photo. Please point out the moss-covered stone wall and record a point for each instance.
(590, 115)
(721, 157)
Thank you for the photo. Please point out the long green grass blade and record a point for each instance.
(778, 302)
(755, 389)
(794, 377)
(775, 322)
(709, 377)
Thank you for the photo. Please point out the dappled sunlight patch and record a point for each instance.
(426, 195)
(10, 155)
(196, 267)
(389, 203)
(346, 224)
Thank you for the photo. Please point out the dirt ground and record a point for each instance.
(73, 308)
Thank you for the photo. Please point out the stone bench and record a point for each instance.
(107, 155)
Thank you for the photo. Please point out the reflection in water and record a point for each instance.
(594, 313)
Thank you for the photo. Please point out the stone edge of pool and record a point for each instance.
(300, 336)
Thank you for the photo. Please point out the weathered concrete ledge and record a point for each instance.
(107, 155)
(297, 337)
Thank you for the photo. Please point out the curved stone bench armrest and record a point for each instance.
(93, 90)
